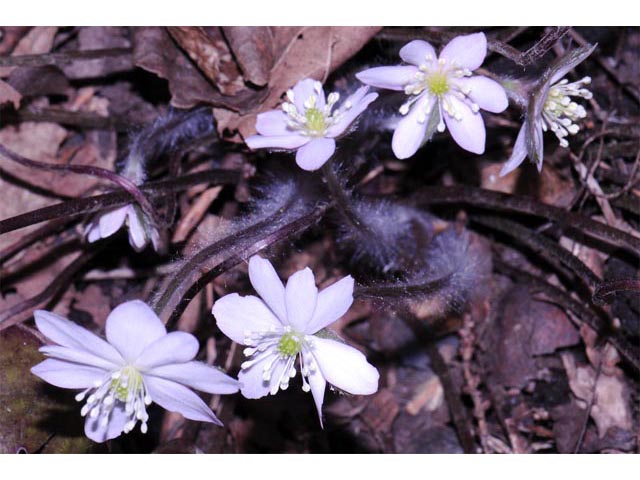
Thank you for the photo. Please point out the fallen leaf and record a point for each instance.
(8, 94)
(253, 49)
(207, 48)
(10, 36)
(33, 415)
(525, 328)
(35, 81)
(155, 51)
(94, 38)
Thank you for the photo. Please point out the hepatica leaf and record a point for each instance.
(33, 416)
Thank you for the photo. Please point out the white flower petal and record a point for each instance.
(390, 78)
(409, 134)
(138, 238)
(175, 347)
(417, 51)
(132, 326)
(333, 303)
(286, 142)
(110, 222)
(467, 51)
(177, 398)
(318, 385)
(82, 357)
(468, 132)
(68, 334)
(236, 315)
(359, 105)
(92, 232)
(539, 145)
(253, 383)
(518, 154)
(101, 433)
(67, 375)
(303, 90)
(267, 283)
(487, 93)
(315, 153)
(273, 122)
(199, 376)
(301, 295)
(345, 367)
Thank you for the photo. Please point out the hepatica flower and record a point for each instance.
(443, 93)
(140, 229)
(551, 107)
(287, 327)
(308, 122)
(140, 363)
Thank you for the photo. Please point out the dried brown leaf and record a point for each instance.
(610, 398)
(33, 416)
(10, 36)
(94, 38)
(207, 48)
(35, 81)
(155, 51)
(8, 94)
(253, 49)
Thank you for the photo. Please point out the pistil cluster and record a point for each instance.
(438, 78)
(125, 385)
(317, 116)
(281, 346)
(560, 112)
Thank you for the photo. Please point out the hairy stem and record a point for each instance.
(231, 250)
(82, 206)
(113, 177)
(540, 244)
(342, 200)
(478, 197)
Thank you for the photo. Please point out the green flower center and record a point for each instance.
(437, 83)
(127, 385)
(316, 123)
(290, 344)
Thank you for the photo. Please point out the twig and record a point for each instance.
(500, 47)
(452, 395)
(592, 399)
(62, 58)
(65, 117)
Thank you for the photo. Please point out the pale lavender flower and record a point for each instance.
(288, 324)
(140, 363)
(140, 229)
(550, 107)
(308, 122)
(442, 92)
